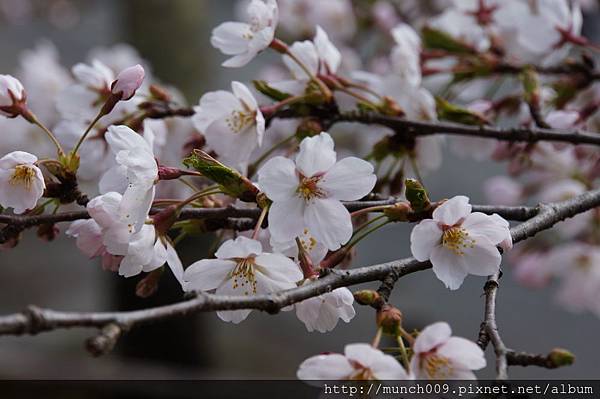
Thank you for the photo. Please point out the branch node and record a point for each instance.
(105, 341)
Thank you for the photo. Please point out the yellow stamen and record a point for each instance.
(437, 367)
(309, 189)
(239, 120)
(243, 275)
(457, 239)
(24, 174)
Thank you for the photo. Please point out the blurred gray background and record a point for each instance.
(174, 36)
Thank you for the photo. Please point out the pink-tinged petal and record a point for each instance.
(331, 367)
(286, 219)
(241, 247)
(424, 238)
(348, 180)
(207, 274)
(104, 209)
(463, 354)
(128, 81)
(88, 235)
(432, 336)
(278, 179)
(329, 221)
(452, 211)
(483, 259)
(448, 267)
(316, 155)
(495, 229)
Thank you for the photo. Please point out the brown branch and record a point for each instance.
(35, 320)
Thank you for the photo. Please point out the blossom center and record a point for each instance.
(361, 372)
(23, 175)
(238, 120)
(436, 367)
(457, 240)
(309, 188)
(243, 276)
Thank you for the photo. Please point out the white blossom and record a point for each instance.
(242, 268)
(231, 122)
(134, 174)
(439, 356)
(243, 40)
(88, 235)
(459, 242)
(307, 193)
(321, 313)
(21, 181)
(359, 362)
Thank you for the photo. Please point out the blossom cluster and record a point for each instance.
(130, 151)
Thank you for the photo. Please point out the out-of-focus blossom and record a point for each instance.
(243, 41)
(502, 190)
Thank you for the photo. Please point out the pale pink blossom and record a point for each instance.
(437, 355)
(21, 181)
(359, 362)
(128, 81)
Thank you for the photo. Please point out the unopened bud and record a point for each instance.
(164, 220)
(398, 212)
(367, 297)
(127, 82)
(390, 107)
(389, 318)
(308, 127)
(48, 231)
(12, 97)
(147, 286)
(160, 93)
(417, 195)
(561, 357)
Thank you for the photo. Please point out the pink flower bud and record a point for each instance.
(12, 94)
(128, 81)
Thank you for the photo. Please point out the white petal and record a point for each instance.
(329, 221)
(424, 238)
(316, 155)
(348, 180)
(325, 368)
(123, 138)
(386, 368)
(233, 316)
(174, 262)
(306, 52)
(483, 259)
(453, 210)
(478, 223)
(286, 219)
(448, 267)
(135, 206)
(278, 179)
(207, 274)
(463, 353)
(432, 336)
(241, 247)
(279, 267)
(15, 158)
(213, 105)
(328, 53)
(229, 37)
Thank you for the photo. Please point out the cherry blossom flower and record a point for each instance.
(11, 93)
(244, 41)
(440, 356)
(88, 235)
(231, 122)
(21, 181)
(578, 266)
(242, 268)
(307, 193)
(459, 242)
(359, 362)
(563, 190)
(142, 250)
(321, 313)
(134, 174)
(320, 56)
(128, 81)
(502, 190)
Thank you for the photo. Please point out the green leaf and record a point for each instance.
(435, 39)
(269, 91)
(228, 179)
(454, 113)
